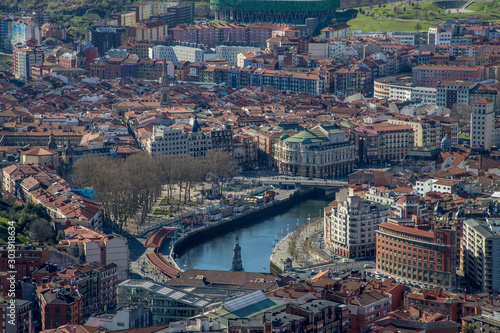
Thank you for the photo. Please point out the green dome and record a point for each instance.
(284, 136)
(306, 140)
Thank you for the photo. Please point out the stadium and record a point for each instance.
(283, 11)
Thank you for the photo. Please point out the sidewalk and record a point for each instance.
(133, 227)
(308, 253)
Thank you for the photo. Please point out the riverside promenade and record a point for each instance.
(146, 261)
(302, 247)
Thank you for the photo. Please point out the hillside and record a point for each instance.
(78, 7)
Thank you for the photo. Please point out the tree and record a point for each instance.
(220, 166)
(29, 213)
(468, 328)
(41, 231)
(145, 187)
(463, 112)
(418, 26)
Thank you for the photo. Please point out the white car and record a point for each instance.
(345, 260)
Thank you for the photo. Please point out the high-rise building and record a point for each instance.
(482, 123)
(350, 225)
(23, 58)
(5, 34)
(480, 255)
(105, 38)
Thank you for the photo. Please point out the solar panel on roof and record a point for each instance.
(201, 303)
(177, 295)
(148, 284)
(245, 300)
(164, 291)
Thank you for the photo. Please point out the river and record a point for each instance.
(256, 240)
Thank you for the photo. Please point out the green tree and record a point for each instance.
(28, 214)
(468, 328)
(418, 26)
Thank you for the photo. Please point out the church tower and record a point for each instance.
(237, 265)
(165, 89)
(52, 144)
(81, 58)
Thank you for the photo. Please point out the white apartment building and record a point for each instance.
(480, 254)
(92, 245)
(404, 36)
(133, 316)
(440, 185)
(24, 58)
(350, 225)
(230, 53)
(175, 54)
(450, 93)
(439, 36)
(341, 48)
(409, 93)
(381, 195)
(175, 141)
(331, 49)
(482, 123)
(337, 31)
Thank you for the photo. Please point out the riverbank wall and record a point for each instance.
(274, 207)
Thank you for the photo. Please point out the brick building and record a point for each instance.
(29, 259)
(59, 307)
(432, 75)
(428, 258)
(23, 320)
(96, 284)
(367, 308)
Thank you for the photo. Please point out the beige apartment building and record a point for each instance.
(426, 132)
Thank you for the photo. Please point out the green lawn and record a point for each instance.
(4, 234)
(464, 136)
(161, 211)
(367, 23)
(426, 13)
(6, 61)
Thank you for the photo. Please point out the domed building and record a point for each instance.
(322, 151)
(446, 144)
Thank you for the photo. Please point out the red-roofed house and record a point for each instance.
(93, 245)
(42, 156)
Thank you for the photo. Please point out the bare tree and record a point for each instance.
(220, 166)
(143, 173)
(463, 112)
(41, 231)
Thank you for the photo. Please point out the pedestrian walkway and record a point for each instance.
(300, 246)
